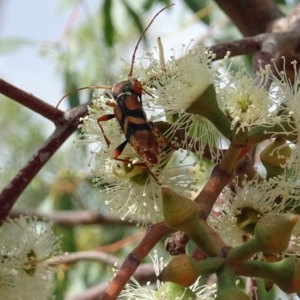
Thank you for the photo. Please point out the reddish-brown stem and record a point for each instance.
(28, 100)
(14, 189)
(254, 43)
(144, 273)
(211, 191)
(132, 261)
(71, 258)
(245, 167)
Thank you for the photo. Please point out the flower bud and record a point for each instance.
(178, 211)
(273, 233)
(184, 270)
(181, 214)
(171, 291)
(180, 270)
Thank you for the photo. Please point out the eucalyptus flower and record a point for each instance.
(130, 187)
(161, 291)
(246, 100)
(238, 210)
(25, 247)
(177, 85)
(288, 93)
(180, 81)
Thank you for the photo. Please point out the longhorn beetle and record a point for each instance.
(141, 134)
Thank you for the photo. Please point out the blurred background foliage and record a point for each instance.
(87, 53)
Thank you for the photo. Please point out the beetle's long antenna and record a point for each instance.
(92, 87)
(137, 45)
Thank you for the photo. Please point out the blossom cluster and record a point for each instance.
(191, 105)
(127, 188)
(238, 209)
(130, 188)
(25, 247)
(193, 108)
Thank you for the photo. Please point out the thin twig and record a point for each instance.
(73, 218)
(252, 44)
(211, 191)
(120, 244)
(28, 100)
(71, 258)
(133, 260)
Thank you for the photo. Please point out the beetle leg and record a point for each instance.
(119, 150)
(111, 104)
(143, 164)
(102, 119)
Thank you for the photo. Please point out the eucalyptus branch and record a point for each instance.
(133, 260)
(143, 274)
(71, 258)
(14, 189)
(211, 191)
(244, 169)
(28, 100)
(256, 43)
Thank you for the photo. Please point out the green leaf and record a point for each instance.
(8, 45)
(109, 30)
(196, 6)
(61, 285)
(148, 4)
(166, 2)
(282, 2)
(135, 17)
